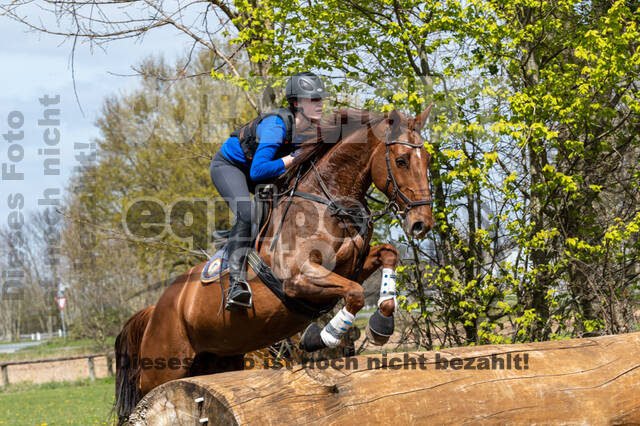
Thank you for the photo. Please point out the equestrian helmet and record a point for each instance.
(305, 85)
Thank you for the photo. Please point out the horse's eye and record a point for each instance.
(402, 162)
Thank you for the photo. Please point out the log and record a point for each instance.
(578, 381)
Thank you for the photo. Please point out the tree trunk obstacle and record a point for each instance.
(578, 381)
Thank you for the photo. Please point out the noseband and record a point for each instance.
(391, 179)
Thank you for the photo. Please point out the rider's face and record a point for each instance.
(312, 108)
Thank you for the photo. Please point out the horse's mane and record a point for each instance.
(318, 140)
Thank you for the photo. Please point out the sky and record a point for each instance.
(35, 65)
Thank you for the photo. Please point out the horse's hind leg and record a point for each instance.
(166, 353)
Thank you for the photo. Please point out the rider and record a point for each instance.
(261, 150)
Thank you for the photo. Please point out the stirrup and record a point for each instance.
(230, 304)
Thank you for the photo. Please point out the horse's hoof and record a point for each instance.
(311, 340)
(380, 328)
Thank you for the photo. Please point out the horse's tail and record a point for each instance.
(127, 354)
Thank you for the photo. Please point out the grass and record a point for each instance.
(56, 348)
(79, 403)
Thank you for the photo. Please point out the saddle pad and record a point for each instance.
(214, 267)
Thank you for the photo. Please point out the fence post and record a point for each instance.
(109, 365)
(92, 370)
(5, 376)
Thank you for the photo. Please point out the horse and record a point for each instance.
(318, 249)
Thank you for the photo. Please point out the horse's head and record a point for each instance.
(399, 169)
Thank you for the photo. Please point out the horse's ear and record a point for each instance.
(394, 118)
(421, 119)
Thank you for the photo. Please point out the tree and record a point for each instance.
(573, 68)
(36, 255)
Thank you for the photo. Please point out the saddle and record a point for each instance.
(262, 204)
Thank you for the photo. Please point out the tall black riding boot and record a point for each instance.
(239, 291)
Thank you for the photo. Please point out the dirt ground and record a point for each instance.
(56, 371)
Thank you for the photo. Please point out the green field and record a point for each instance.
(58, 403)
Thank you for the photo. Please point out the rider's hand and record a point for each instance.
(287, 161)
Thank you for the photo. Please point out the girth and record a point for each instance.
(273, 283)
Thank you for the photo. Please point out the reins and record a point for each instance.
(291, 192)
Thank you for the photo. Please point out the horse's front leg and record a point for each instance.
(381, 323)
(315, 282)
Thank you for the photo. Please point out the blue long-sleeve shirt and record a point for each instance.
(271, 133)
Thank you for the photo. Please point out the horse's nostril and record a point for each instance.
(418, 228)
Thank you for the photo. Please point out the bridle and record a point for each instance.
(392, 205)
(358, 215)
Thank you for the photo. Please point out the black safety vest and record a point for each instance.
(247, 134)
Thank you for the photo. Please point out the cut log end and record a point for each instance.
(180, 402)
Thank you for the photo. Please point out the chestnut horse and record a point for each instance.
(318, 256)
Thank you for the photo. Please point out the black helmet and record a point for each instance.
(305, 85)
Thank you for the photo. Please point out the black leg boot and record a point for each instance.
(239, 295)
